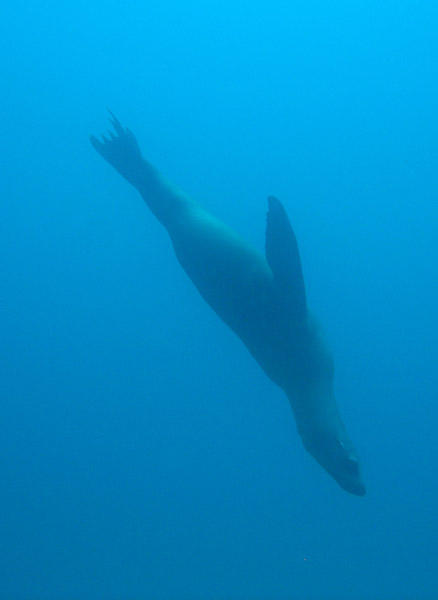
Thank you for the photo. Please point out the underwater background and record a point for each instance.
(143, 452)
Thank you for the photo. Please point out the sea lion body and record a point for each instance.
(261, 298)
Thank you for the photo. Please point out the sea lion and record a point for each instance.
(262, 300)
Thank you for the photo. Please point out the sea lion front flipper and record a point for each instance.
(122, 152)
(283, 258)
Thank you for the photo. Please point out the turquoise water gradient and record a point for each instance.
(143, 453)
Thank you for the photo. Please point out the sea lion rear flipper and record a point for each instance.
(122, 152)
(284, 260)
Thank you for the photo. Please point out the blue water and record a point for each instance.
(144, 454)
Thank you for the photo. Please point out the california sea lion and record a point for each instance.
(262, 300)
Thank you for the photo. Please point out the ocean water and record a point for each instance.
(143, 452)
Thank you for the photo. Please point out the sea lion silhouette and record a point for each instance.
(262, 300)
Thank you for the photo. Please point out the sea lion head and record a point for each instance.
(335, 452)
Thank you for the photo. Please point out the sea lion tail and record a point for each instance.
(122, 151)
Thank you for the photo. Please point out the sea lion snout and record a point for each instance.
(338, 457)
(349, 477)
